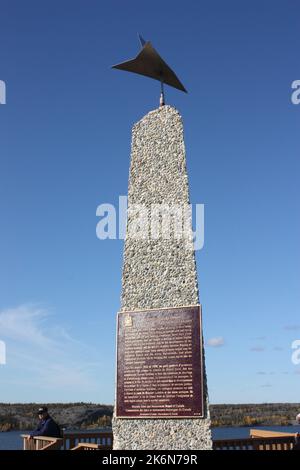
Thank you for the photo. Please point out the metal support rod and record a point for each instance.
(162, 94)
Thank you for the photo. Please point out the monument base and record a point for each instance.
(162, 434)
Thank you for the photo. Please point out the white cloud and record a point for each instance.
(42, 354)
(24, 323)
(216, 342)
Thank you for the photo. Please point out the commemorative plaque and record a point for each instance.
(159, 363)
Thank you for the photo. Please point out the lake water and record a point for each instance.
(243, 432)
(13, 441)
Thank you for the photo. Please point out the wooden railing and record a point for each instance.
(255, 443)
(87, 446)
(103, 439)
(264, 433)
(259, 440)
(70, 440)
(41, 443)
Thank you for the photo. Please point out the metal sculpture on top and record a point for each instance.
(149, 63)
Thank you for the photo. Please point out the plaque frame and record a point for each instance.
(199, 345)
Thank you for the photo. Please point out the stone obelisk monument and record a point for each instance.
(161, 392)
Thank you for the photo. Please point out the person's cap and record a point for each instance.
(42, 409)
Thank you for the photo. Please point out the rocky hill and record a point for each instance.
(22, 416)
(265, 414)
(91, 416)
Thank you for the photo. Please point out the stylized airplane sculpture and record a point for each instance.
(149, 63)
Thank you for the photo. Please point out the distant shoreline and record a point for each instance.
(89, 416)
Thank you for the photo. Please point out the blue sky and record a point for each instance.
(65, 146)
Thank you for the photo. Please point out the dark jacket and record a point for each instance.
(47, 427)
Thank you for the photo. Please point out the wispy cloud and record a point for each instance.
(43, 354)
(216, 342)
(294, 327)
(257, 349)
(266, 373)
(278, 348)
(267, 385)
(24, 323)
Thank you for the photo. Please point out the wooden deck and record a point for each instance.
(264, 433)
(70, 441)
(257, 440)
(267, 443)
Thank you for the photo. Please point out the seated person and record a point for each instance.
(47, 426)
